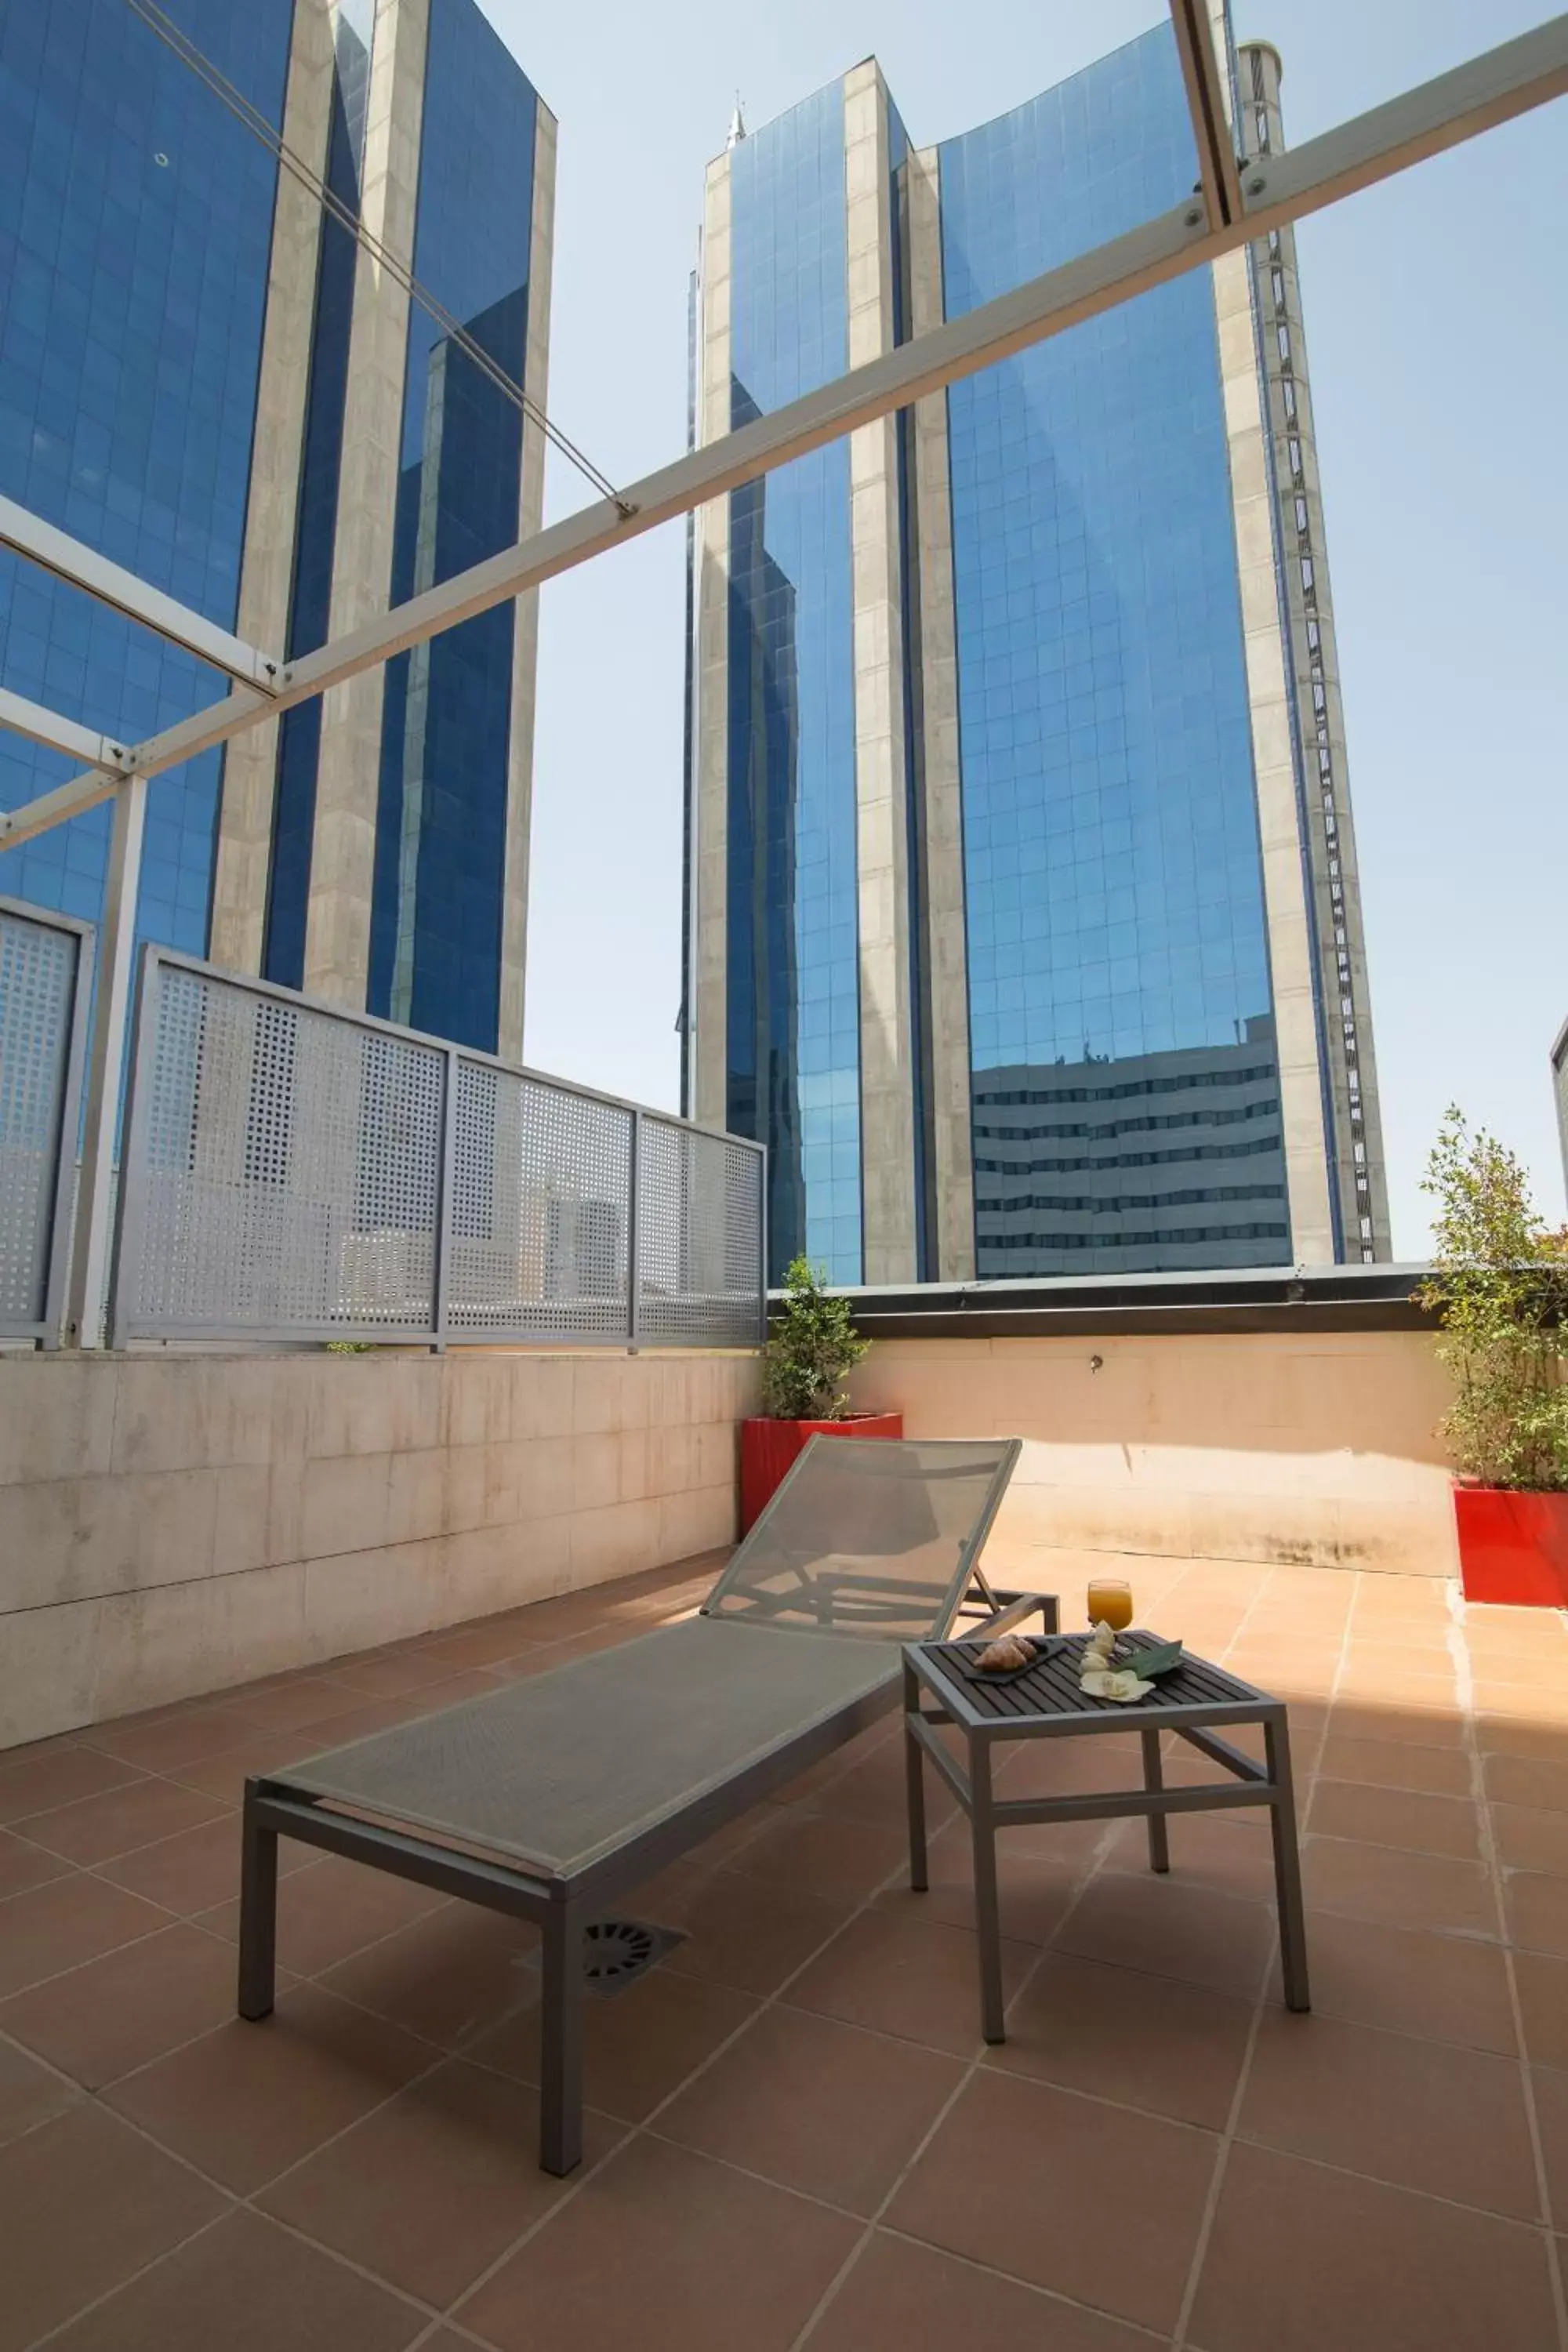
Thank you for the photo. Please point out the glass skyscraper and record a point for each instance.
(1022, 911)
(203, 376)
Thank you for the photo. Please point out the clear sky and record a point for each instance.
(1437, 313)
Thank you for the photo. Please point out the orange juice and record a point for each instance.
(1110, 1603)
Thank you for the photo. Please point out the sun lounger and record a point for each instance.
(563, 1791)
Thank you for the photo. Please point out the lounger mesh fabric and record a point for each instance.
(875, 1540)
(865, 1538)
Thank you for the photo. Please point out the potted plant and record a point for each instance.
(813, 1344)
(1499, 1287)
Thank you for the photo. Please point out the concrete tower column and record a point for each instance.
(342, 863)
(1358, 1159)
(707, 883)
(267, 572)
(944, 954)
(881, 762)
(525, 625)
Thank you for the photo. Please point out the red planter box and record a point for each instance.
(768, 1447)
(1513, 1547)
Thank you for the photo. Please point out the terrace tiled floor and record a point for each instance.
(797, 2137)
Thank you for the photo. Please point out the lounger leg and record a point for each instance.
(987, 1916)
(915, 1788)
(258, 1911)
(1287, 1867)
(560, 2042)
(1154, 1778)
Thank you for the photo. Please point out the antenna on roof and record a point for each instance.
(737, 125)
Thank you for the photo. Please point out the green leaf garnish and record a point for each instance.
(1148, 1663)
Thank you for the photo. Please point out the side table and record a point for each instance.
(1045, 1703)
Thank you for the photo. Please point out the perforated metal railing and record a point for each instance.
(46, 980)
(293, 1171)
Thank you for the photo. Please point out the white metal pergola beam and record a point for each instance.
(1218, 175)
(27, 534)
(1490, 89)
(44, 726)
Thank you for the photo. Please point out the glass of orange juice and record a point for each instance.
(1110, 1601)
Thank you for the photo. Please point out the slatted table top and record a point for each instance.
(1048, 1693)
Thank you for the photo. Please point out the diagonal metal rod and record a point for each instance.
(1203, 76)
(1490, 89)
(41, 725)
(182, 45)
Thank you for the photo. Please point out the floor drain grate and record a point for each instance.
(616, 1952)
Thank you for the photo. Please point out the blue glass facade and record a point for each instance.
(436, 913)
(135, 225)
(1120, 1001)
(794, 1011)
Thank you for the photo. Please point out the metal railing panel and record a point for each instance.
(46, 984)
(284, 1167)
(700, 1239)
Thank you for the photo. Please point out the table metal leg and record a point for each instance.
(1287, 1866)
(987, 1918)
(915, 1788)
(257, 1913)
(561, 2042)
(1154, 1778)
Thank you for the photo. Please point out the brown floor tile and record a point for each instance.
(1233, 1854)
(69, 1920)
(739, 1931)
(296, 1705)
(1302, 2258)
(390, 1677)
(327, 1913)
(30, 2093)
(903, 2294)
(248, 2287)
(1527, 1780)
(186, 1737)
(1168, 1929)
(198, 1870)
(874, 1790)
(842, 1860)
(1438, 1988)
(1548, 2085)
(482, 1645)
(96, 1829)
(115, 2013)
(1080, 1765)
(1543, 1985)
(224, 1776)
(1537, 1910)
(1362, 1718)
(1544, 1702)
(1155, 2042)
(430, 2190)
(1410, 1890)
(637, 2047)
(909, 1976)
(1422, 2114)
(84, 2202)
(670, 2252)
(816, 2105)
(445, 1976)
(246, 2100)
(1528, 1838)
(1396, 1764)
(1508, 1735)
(1027, 2178)
(1400, 1817)
(1039, 1870)
(23, 1866)
(56, 1776)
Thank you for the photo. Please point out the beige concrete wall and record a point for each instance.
(174, 1524)
(1319, 1450)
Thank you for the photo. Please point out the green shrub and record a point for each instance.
(813, 1344)
(1499, 1283)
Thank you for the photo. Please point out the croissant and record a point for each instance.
(1001, 1657)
